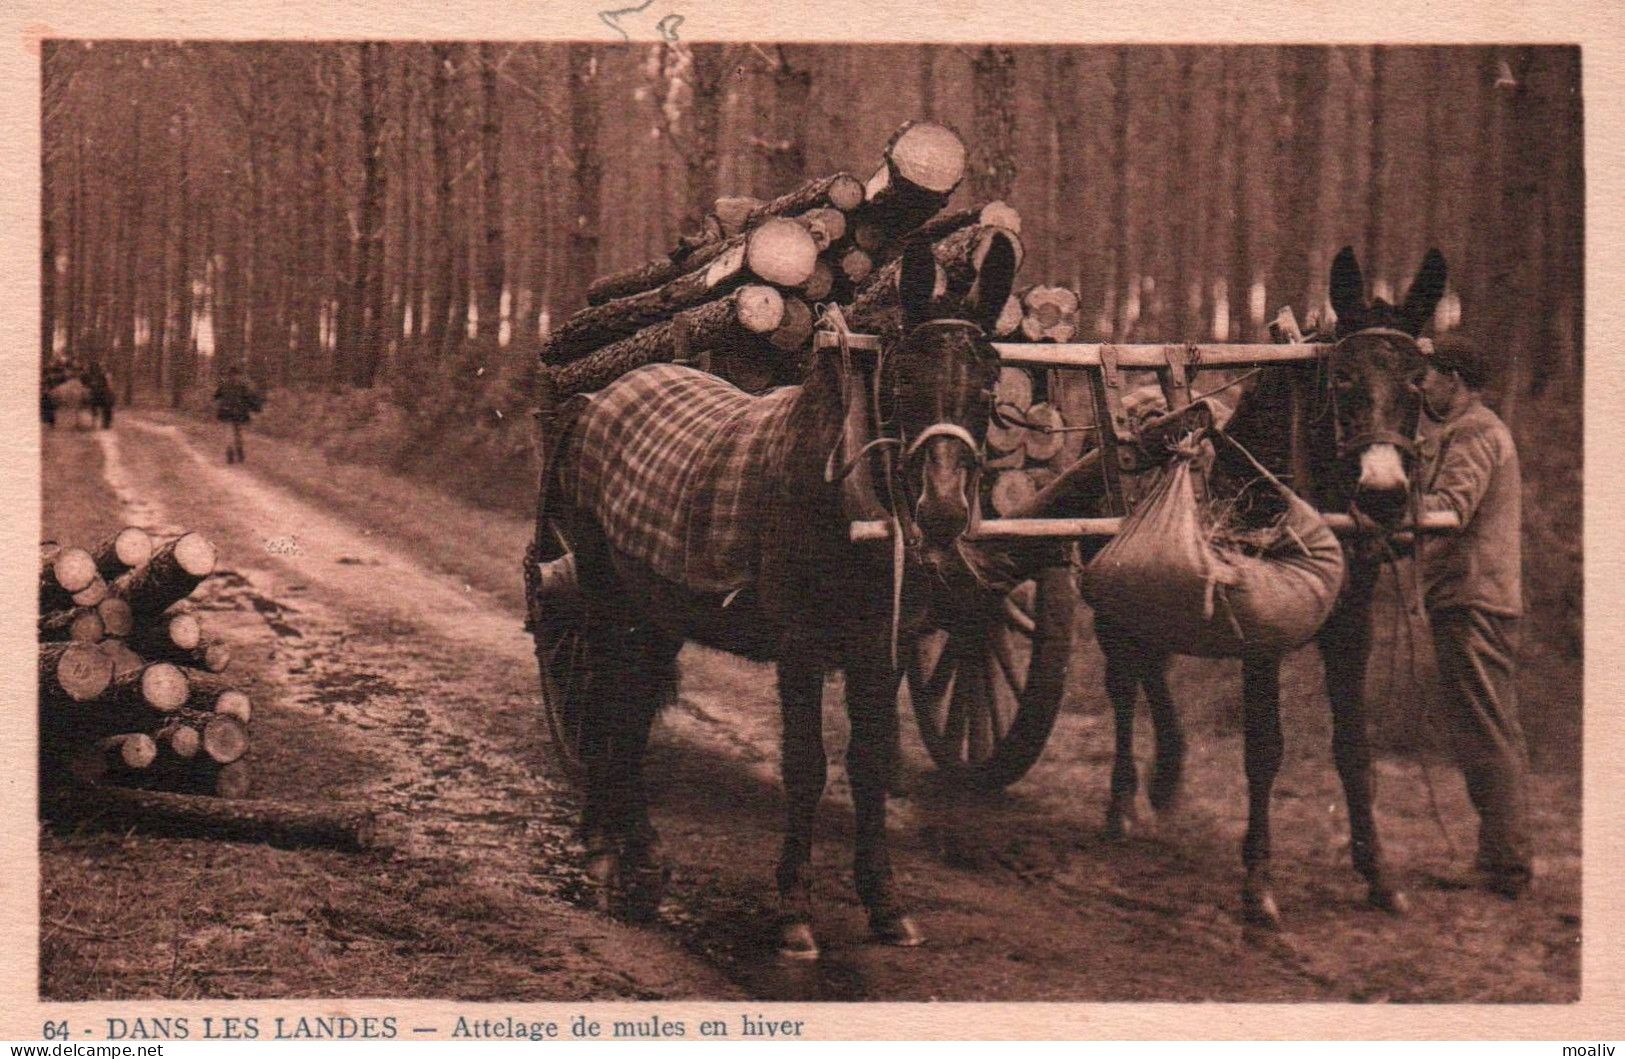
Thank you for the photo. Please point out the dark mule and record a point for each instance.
(814, 602)
(1359, 458)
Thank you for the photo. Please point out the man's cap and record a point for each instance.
(1457, 352)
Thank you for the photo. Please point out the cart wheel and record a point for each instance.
(987, 689)
(564, 659)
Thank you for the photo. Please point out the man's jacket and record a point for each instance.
(1470, 467)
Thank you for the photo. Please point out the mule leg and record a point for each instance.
(1345, 647)
(871, 703)
(1123, 688)
(1168, 774)
(805, 771)
(642, 871)
(1261, 711)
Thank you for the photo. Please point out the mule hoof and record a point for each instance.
(899, 930)
(796, 942)
(1259, 909)
(1166, 791)
(1389, 900)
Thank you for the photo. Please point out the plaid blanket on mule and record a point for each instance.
(677, 466)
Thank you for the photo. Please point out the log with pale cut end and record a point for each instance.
(339, 825)
(817, 288)
(125, 550)
(72, 673)
(235, 703)
(734, 212)
(180, 739)
(797, 328)
(113, 756)
(225, 739)
(125, 658)
(825, 225)
(117, 618)
(1050, 314)
(647, 278)
(749, 311)
(1041, 445)
(1006, 440)
(1012, 490)
(857, 265)
(211, 655)
(994, 214)
(83, 624)
(92, 594)
(157, 686)
(1014, 388)
(869, 236)
(841, 191)
(63, 571)
(924, 163)
(780, 252)
(173, 572)
(167, 633)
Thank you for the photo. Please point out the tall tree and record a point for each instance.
(993, 172)
(494, 256)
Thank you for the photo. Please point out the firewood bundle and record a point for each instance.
(131, 690)
(737, 296)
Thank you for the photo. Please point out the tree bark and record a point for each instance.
(169, 577)
(341, 826)
(494, 277)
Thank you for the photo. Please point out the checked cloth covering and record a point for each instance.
(678, 467)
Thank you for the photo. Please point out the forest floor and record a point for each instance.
(377, 624)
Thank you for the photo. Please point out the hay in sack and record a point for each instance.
(1181, 575)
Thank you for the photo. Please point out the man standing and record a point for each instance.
(1474, 598)
(236, 401)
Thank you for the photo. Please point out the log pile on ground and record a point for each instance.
(131, 686)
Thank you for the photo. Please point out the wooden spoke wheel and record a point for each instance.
(987, 688)
(564, 658)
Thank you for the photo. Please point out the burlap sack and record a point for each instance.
(1166, 580)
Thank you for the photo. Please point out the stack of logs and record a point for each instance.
(130, 685)
(738, 296)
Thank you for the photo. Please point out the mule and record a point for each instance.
(1360, 458)
(913, 428)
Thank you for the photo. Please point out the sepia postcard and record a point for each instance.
(680, 522)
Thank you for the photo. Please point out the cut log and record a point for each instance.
(92, 594)
(222, 739)
(173, 572)
(869, 236)
(693, 243)
(210, 655)
(234, 703)
(113, 756)
(1012, 491)
(63, 571)
(156, 686)
(796, 329)
(1014, 388)
(994, 214)
(125, 659)
(733, 213)
(924, 164)
(1043, 446)
(168, 632)
(180, 740)
(779, 252)
(117, 618)
(72, 673)
(648, 278)
(825, 225)
(344, 826)
(83, 624)
(125, 550)
(1050, 314)
(749, 311)
(857, 265)
(817, 288)
(841, 191)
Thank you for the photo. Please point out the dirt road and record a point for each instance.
(391, 674)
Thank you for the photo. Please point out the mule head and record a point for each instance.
(1376, 370)
(939, 382)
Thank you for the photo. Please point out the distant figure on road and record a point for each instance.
(100, 385)
(236, 401)
(1473, 582)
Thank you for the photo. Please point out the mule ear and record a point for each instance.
(994, 279)
(1424, 295)
(1347, 290)
(917, 282)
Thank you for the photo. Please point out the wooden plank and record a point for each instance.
(1154, 357)
(1071, 528)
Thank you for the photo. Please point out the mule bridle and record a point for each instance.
(1350, 444)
